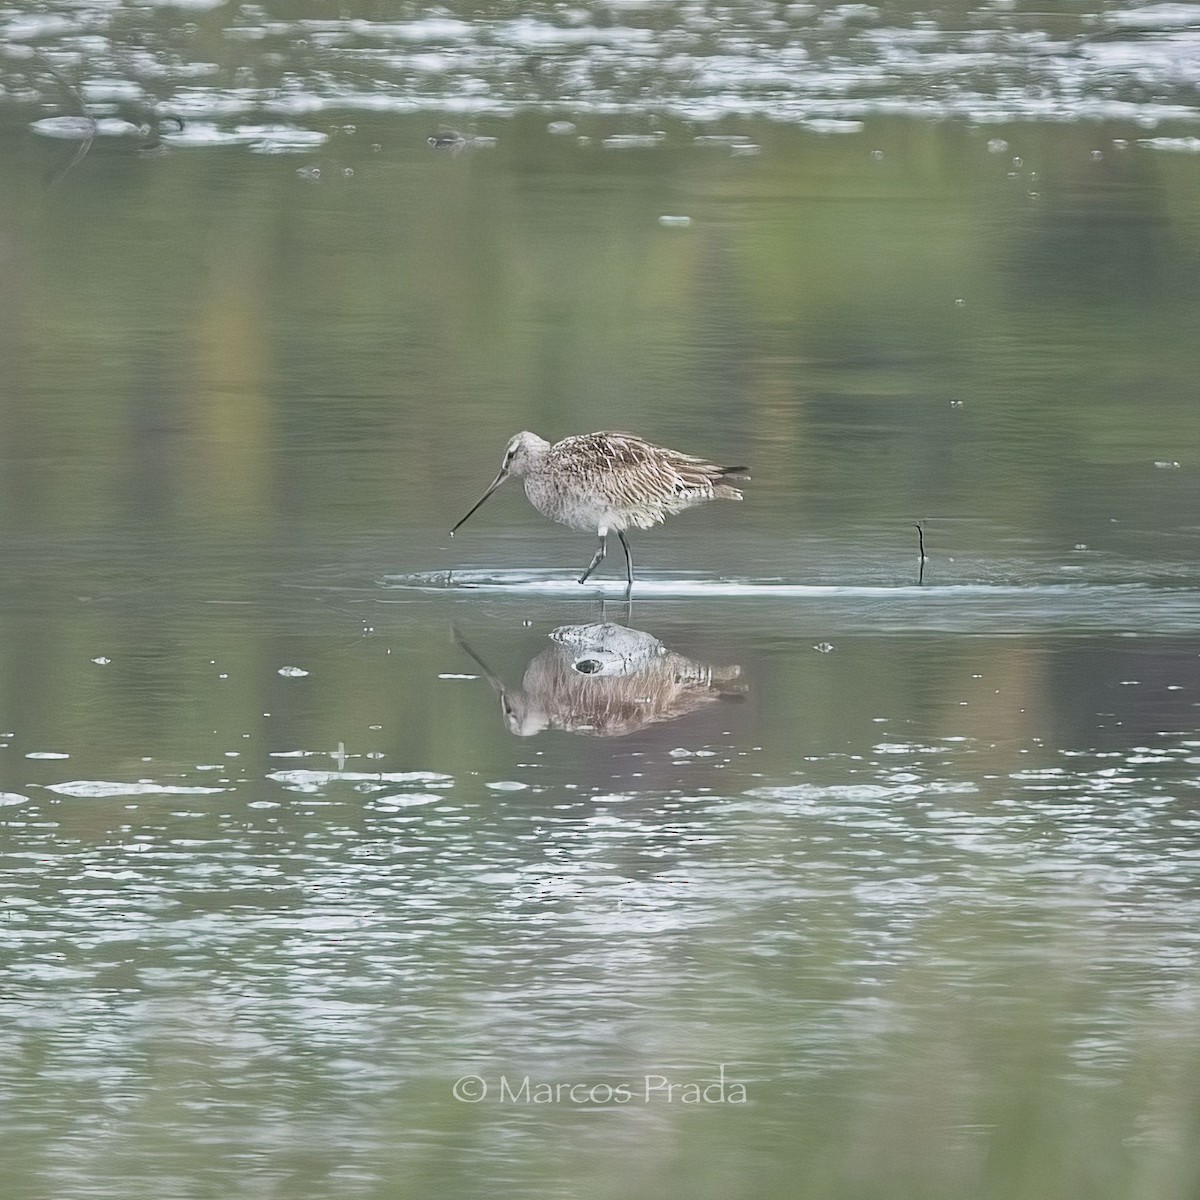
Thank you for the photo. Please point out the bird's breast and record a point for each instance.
(569, 503)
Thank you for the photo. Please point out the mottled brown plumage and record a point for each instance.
(610, 482)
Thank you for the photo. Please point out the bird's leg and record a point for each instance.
(628, 565)
(597, 558)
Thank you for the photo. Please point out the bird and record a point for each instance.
(610, 482)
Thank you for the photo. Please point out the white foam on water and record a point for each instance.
(311, 779)
(555, 583)
(102, 788)
(1129, 609)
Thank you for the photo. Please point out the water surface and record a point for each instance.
(346, 860)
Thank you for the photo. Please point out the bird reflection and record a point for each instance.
(607, 680)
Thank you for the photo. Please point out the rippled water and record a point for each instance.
(1130, 609)
(345, 860)
(902, 887)
(218, 66)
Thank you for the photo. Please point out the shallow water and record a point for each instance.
(346, 860)
(829, 65)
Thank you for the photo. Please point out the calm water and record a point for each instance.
(343, 860)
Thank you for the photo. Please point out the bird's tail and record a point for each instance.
(726, 477)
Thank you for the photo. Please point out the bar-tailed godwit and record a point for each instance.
(610, 482)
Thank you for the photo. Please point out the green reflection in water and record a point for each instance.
(236, 395)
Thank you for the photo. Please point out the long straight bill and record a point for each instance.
(475, 507)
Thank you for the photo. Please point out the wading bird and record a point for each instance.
(610, 482)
